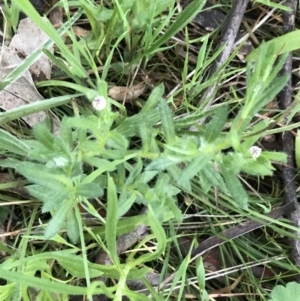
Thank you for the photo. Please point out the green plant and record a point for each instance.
(86, 158)
(288, 293)
(154, 158)
(92, 154)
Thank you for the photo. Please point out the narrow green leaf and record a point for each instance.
(186, 16)
(134, 173)
(43, 284)
(257, 169)
(59, 62)
(66, 133)
(72, 227)
(117, 141)
(162, 182)
(88, 92)
(35, 107)
(180, 274)
(125, 203)
(89, 190)
(202, 54)
(274, 156)
(97, 162)
(215, 126)
(4, 248)
(282, 44)
(256, 132)
(89, 8)
(107, 64)
(270, 92)
(111, 219)
(255, 104)
(146, 135)
(12, 144)
(73, 264)
(154, 98)
(204, 182)
(82, 122)
(274, 5)
(167, 122)
(162, 163)
(58, 220)
(213, 177)
(107, 167)
(123, 226)
(235, 188)
(109, 270)
(51, 198)
(147, 176)
(131, 126)
(200, 271)
(43, 134)
(173, 206)
(40, 174)
(234, 136)
(192, 169)
(9, 163)
(160, 236)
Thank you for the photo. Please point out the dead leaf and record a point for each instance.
(29, 38)
(20, 92)
(56, 17)
(79, 31)
(127, 93)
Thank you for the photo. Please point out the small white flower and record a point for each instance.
(99, 103)
(255, 151)
(60, 161)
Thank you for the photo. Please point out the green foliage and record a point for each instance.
(289, 293)
(56, 168)
(145, 159)
(183, 19)
(282, 45)
(273, 4)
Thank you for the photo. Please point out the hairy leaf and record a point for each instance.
(89, 190)
(235, 188)
(12, 144)
(72, 227)
(167, 122)
(215, 126)
(40, 174)
(58, 219)
(51, 198)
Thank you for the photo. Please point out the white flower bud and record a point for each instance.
(99, 103)
(255, 151)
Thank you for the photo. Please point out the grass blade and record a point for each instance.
(184, 18)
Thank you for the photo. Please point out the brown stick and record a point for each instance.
(239, 230)
(228, 37)
(288, 139)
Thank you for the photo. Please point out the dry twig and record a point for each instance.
(288, 139)
(228, 38)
